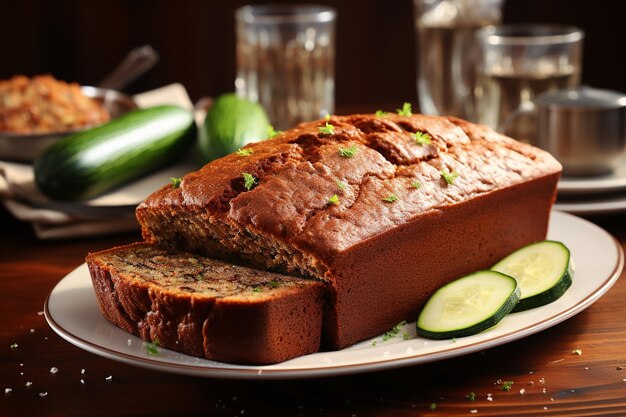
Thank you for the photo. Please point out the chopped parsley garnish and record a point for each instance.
(416, 184)
(256, 289)
(380, 113)
(421, 138)
(406, 336)
(433, 406)
(340, 185)
(176, 182)
(334, 200)
(328, 129)
(348, 152)
(449, 176)
(471, 396)
(271, 132)
(248, 180)
(577, 351)
(405, 110)
(390, 198)
(395, 330)
(507, 385)
(153, 347)
(275, 284)
(244, 152)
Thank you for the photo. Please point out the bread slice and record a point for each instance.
(203, 307)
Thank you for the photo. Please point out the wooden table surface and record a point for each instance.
(548, 378)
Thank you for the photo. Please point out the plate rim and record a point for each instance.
(587, 186)
(261, 372)
(590, 187)
(592, 207)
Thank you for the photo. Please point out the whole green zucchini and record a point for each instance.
(92, 162)
(231, 123)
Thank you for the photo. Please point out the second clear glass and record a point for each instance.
(519, 62)
(447, 53)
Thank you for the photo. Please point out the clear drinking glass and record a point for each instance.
(519, 62)
(286, 59)
(447, 52)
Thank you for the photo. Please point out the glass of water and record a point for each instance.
(286, 59)
(447, 52)
(519, 62)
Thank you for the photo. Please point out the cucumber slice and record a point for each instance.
(468, 305)
(543, 271)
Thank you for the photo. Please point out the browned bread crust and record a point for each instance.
(399, 230)
(205, 307)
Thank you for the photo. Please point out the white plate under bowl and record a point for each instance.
(72, 312)
(610, 183)
(600, 205)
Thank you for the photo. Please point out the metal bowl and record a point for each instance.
(584, 128)
(26, 147)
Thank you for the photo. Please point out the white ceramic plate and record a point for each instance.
(593, 206)
(72, 312)
(615, 181)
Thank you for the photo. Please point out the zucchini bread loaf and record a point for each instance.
(384, 210)
(205, 307)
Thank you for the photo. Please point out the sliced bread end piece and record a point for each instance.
(208, 308)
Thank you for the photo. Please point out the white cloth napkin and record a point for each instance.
(107, 214)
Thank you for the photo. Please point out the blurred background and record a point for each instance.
(375, 63)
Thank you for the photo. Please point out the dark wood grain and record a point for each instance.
(555, 381)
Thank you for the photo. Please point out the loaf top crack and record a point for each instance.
(324, 192)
